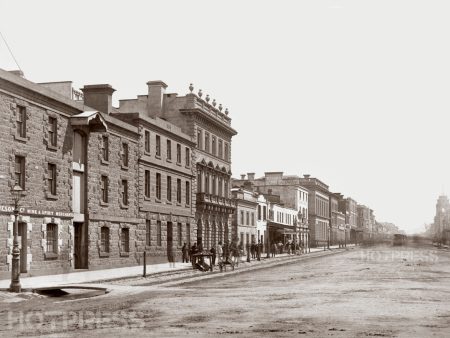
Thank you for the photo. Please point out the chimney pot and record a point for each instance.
(242, 176)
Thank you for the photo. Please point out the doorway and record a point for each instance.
(79, 252)
(22, 232)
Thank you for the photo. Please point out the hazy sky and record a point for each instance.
(355, 93)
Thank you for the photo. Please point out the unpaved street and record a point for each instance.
(382, 291)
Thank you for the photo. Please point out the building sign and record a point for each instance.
(37, 212)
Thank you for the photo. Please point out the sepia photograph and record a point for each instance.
(251, 168)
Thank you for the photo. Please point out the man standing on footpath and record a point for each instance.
(185, 253)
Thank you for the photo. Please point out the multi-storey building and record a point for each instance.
(441, 226)
(261, 220)
(337, 221)
(76, 166)
(292, 195)
(166, 176)
(282, 221)
(244, 218)
(319, 210)
(348, 207)
(212, 131)
(363, 223)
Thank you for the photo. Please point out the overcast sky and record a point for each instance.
(355, 93)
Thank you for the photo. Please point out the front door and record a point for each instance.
(22, 232)
(79, 251)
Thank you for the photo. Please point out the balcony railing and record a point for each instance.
(214, 199)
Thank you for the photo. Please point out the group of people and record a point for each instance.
(290, 248)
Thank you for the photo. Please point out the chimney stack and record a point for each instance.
(156, 91)
(251, 176)
(242, 176)
(306, 176)
(99, 97)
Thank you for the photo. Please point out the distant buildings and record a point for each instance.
(440, 229)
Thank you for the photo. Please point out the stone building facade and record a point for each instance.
(59, 149)
(212, 131)
(166, 176)
(101, 185)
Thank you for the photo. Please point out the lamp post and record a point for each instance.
(15, 286)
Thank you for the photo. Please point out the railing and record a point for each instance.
(214, 199)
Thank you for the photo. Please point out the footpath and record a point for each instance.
(81, 277)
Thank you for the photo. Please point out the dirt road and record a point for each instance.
(383, 291)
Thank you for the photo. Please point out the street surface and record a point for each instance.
(366, 292)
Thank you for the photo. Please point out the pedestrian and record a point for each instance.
(293, 248)
(234, 252)
(185, 253)
(258, 250)
(252, 250)
(192, 252)
(213, 258)
(274, 249)
(220, 253)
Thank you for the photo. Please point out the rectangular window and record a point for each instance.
(52, 130)
(242, 238)
(125, 239)
(105, 148)
(169, 150)
(199, 139)
(52, 238)
(158, 186)
(213, 185)
(179, 234)
(242, 217)
(207, 183)
(147, 141)
(21, 121)
(207, 142)
(259, 212)
(147, 183)
(19, 171)
(247, 218)
(148, 227)
(188, 157)
(226, 152)
(220, 148)
(225, 190)
(104, 244)
(124, 192)
(178, 190)
(264, 212)
(125, 154)
(158, 233)
(158, 145)
(179, 153)
(253, 218)
(169, 188)
(51, 178)
(188, 193)
(188, 234)
(104, 188)
(213, 145)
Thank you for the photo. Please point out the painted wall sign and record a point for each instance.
(37, 212)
